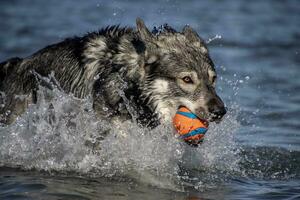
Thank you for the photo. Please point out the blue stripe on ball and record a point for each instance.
(197, 131)
(186, 114)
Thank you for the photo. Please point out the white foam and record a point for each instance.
(61, 133)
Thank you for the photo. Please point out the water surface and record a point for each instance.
(252, 154)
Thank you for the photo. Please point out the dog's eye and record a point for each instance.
(187, 79)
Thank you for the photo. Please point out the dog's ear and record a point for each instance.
(192, 36)
(143, 31)
(149, 46)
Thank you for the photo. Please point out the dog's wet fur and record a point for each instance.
(154, 72)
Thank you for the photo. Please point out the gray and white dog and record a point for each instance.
(157, 71)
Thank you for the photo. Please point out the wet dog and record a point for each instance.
(129, 73)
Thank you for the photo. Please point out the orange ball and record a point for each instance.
(189, 126)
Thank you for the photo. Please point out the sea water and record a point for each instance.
(55, 151)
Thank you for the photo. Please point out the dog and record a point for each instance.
(131, 74)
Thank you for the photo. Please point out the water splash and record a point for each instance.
(61, 133)
(216, 37)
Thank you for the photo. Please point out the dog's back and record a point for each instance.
(74, 63)
(19, 78)
(77, 64)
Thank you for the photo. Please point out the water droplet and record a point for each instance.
(105, 109)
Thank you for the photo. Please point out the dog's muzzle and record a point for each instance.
(218, 113)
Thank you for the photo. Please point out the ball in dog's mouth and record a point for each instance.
(189, 126)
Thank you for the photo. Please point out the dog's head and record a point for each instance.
(178, 72)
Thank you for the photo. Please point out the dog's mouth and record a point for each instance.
(202, 116)
(215, 118)
(194, 130)
(206, 117)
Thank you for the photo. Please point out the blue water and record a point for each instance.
(258, 64)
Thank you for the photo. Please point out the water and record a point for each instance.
(52, 152)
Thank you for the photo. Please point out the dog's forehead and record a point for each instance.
(185, 56)
(174, 42)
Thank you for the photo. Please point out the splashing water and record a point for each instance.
(216, 37)
(61, 133)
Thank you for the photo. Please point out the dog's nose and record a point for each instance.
(219, 112)
(216, 108)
